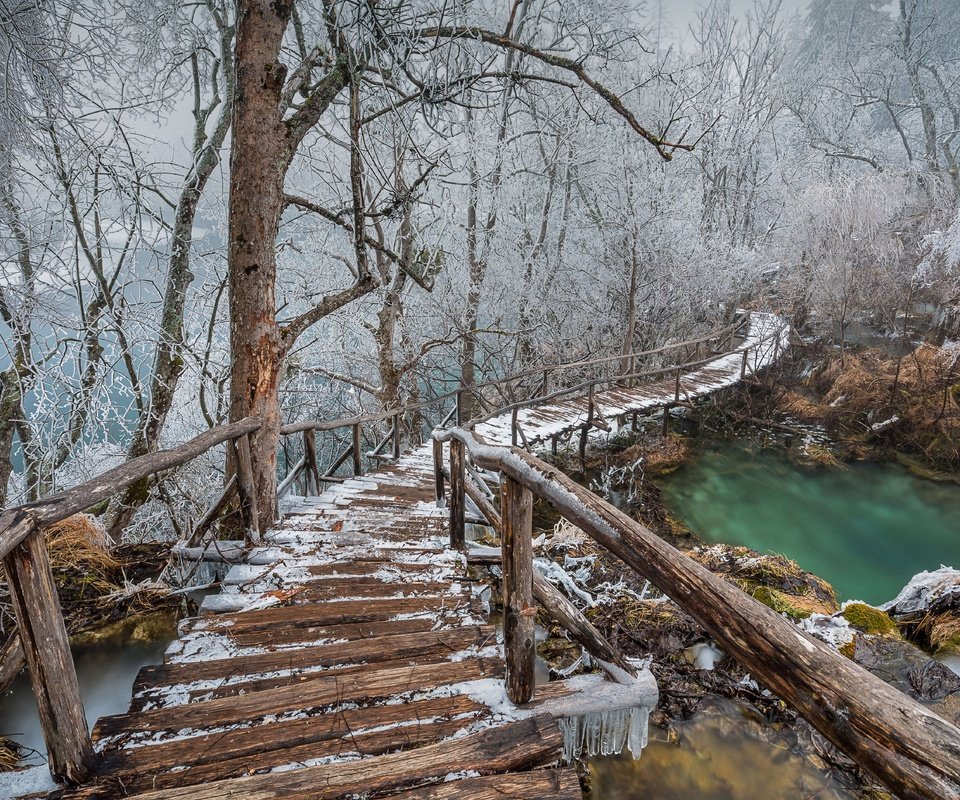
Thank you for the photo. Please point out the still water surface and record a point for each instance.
(866, 529)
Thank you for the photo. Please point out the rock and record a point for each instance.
(906, 667)
(927, 592)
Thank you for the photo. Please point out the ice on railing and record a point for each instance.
(605, 733)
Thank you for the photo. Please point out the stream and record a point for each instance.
(105, 671)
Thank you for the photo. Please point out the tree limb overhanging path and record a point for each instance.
(351, 652)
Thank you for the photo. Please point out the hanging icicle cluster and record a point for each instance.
(605, 732)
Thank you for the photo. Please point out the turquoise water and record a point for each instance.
(866, 529)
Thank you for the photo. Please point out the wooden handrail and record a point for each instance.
(18, 522)
(329, 425)
(915, 752)
(33, 591)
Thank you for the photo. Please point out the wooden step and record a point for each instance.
(293, 634)
(335, 612)
(382, 648)
(515, 746)
(160, 695)
(309, 693)
(232, 753)
(541, 784)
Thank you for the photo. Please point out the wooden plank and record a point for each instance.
(381, 648)
(156, 695)
(340, 612)
(46, 646)
(285, 635)
(309, 693)
(518, 745)
(541, 784)
(232, 753)
(519, 611)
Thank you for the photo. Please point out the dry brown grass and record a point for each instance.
(10, 755)
(799, 407)
(914, 394)
(80, 543)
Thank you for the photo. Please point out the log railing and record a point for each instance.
(33, 592)
(704, 349)
(915, 752)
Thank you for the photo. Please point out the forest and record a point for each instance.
(305, 210)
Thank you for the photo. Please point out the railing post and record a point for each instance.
(743, 364)
(396, 436)
(519, 610)
(245, 488)
(310, 461)
(513, 427)
(457, 501)
(357, 466)
(438, 471)
(676, 390)
(46, 646)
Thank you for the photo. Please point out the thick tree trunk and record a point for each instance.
(258, 163)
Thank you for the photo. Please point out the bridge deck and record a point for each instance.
(352, 654)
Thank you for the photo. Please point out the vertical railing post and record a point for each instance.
(357, 465)
(310, 468)
(743, 364)
(438, 471)
(457, 492)
(33, 595)
(519, 610)
(513, 426)
(676, 388)
(396, 436)
(245, 488)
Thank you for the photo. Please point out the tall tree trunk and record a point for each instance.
(257, 167)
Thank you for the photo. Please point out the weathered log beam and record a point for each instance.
(17, 523)
(457, 503)
(213, 512)
(573, 620)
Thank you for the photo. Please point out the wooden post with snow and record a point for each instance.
(457, 500)
(519, 611)
(46, 646)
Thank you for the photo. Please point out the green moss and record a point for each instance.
(849, 649)
(778, 601)
(870, 619)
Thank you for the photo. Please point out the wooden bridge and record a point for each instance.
(350, 651)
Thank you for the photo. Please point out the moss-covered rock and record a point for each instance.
(869, 619)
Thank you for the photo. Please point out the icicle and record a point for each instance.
(605, 733)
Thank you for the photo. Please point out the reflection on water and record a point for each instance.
(866, 529)
(723, 753)
(105, 670)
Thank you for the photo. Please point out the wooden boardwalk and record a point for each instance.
(352, 653)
